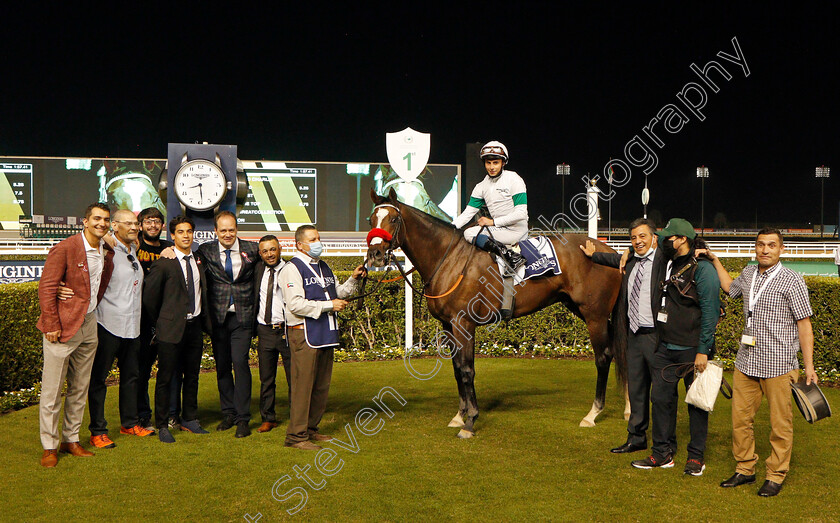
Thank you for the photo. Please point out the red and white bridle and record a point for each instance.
(377, 234)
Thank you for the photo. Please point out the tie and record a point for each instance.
(633, 314)
(190, 286)
(269, 296)
(229, 271)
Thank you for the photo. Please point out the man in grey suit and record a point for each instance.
(229, 263)
(641, 292)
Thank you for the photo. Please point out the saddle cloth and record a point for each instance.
(540, 259)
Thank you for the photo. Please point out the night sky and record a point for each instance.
(555, 82)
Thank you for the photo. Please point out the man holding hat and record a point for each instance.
(778, 324)
(686, 319)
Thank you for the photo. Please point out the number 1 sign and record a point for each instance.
(408, 152)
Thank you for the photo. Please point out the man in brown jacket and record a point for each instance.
(84, 263)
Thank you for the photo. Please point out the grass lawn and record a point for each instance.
(529, 460)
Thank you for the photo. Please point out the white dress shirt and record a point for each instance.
(277, 301)
(95, 263)
(196, 280)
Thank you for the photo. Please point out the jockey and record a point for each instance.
(503, 192)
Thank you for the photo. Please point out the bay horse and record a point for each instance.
(463, 287)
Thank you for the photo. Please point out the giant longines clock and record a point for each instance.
(201, 180)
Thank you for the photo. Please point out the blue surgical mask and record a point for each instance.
(315, 249)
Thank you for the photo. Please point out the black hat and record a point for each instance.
(811, 402)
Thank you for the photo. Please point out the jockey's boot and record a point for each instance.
(513, 260)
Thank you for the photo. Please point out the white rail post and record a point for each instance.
(409, 307)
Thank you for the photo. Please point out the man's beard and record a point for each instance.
(146, 237)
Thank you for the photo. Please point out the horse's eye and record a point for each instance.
(394, 219)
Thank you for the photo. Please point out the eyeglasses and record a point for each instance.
(133, 262)
(492, 149)
(152, 221)
(129, 224)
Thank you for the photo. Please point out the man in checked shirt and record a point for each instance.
(778, 325)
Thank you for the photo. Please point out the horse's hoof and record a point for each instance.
(465, 434)
(626, 416)
(457, 421)
(586, 423)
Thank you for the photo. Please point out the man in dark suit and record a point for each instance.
(175, 297)
(84, 263)
(641, 292)
(270, 328)
(229, 263)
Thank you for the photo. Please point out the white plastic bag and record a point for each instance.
(704, 390)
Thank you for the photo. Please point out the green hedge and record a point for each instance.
(375, 330)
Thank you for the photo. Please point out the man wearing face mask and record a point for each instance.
(641, 289)
(686, 318)
(311, 300)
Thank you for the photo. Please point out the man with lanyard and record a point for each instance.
(118, 318)
(311, 300)
(270, 329)
(641, 288)
(503, 192)
(685, 322)
(151, 245)
(778, 324)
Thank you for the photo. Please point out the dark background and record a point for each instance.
(556, 82)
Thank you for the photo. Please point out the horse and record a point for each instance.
(463, 287)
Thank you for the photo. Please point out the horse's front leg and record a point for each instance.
(464, 362)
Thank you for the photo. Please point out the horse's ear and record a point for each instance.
(392, 195)
(373, 196)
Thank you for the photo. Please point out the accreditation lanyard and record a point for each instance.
(754, 295)
(668, 278)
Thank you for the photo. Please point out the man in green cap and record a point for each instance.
(685, 322)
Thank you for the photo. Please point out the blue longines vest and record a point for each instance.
(322, 332)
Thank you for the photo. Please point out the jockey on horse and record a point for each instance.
(503, 192)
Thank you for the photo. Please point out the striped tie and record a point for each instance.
(633, 314)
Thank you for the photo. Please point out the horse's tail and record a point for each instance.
(618, 336)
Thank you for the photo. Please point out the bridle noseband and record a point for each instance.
(392, 239)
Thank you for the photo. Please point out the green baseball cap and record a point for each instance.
(677, 227)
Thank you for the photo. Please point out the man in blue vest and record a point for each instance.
(311, 300)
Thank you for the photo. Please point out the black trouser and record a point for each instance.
(665, 400)
(186, 356)
(640, 349)
(231, 342)
(271, 344)
(147, 355)
(125, 352)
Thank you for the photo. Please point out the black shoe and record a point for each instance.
(225, 424)
(694, 467)
(651, 462)
(627, 448)
(737, 480)
(242, 429)
(514, 260)
(165, 436)
(769, 489)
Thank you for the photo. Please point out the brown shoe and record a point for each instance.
(303, 445)
(317, 436)
(267, 426)
(75, 449)
(50, 458)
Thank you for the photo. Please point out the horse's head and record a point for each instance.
(385, 224)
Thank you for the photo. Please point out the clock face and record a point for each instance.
(200, 185)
